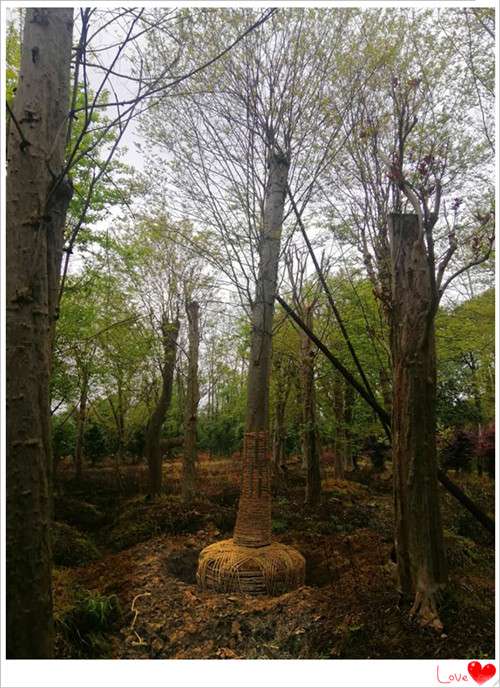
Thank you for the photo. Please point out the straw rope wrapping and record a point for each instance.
(269, 570)
(253, 523)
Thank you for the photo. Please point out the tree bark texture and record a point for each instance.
(309, 429)
(253, 522)
(152, 448)
(80, 425)
(339, 445)
(35, 217)
(282, 377)
(419, 537)
(191, 404)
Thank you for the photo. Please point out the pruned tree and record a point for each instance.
(405, 177)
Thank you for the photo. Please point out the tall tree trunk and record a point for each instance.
(419, 537)
(282, 377)
(120, 422)
(339, 444)
(253, 522)
(80, 424)
(348, 404)
(191, 404)
(309, 430)
(33, 206)
(152, 448)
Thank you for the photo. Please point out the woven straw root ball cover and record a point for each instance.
(269, 570)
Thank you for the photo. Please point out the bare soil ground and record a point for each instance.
(136, 597)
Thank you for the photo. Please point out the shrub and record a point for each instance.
(485, 449)
(94, 442)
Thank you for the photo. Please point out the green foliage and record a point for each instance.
(63, 436)
(279, 526)
(465, 337)
(12, 55)
(95, 442)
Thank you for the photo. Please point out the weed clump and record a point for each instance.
(83, 622)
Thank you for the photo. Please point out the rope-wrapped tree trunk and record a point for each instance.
(250, 562)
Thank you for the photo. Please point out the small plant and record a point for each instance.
(99, 610)
(85, 624)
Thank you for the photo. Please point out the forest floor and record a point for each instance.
(125, 587)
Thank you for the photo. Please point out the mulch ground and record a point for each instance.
(349, 607)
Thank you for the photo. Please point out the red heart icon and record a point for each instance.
(481, 674)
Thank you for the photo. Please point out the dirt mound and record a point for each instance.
(70, 547)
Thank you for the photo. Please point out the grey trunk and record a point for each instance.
(33, 250)
(253, 523)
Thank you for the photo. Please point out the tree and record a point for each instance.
(152, 450)
(465, 337)
(419, 537)
(38, 194)
(305, 298)
(191, 403)
(407, 171)
(37, 197)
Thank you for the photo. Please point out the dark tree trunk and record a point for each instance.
(33, 249)
(339, 445)
(348, 404)
(80, 425)
(253, 523)
(191, 405)
(120, 422)
(384, 418)
(309, 430)
(419, 537)
(152, 448)
(282, 377)
(278, 455)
